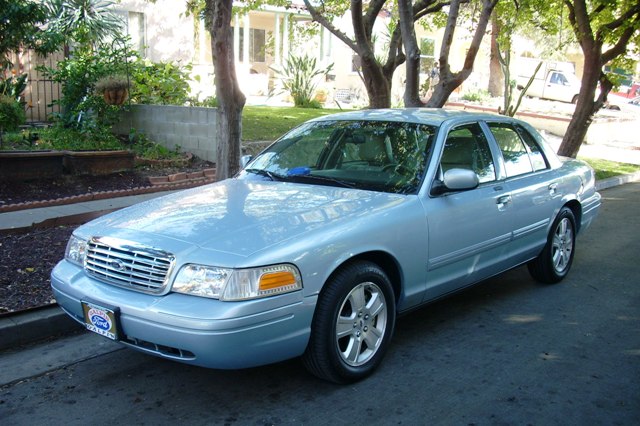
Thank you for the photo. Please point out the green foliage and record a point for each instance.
(161, 83)
(21, 27)
(78, 75)
(209, 101)
(11, 113)
(144, 148)
(84, 22)
(476, 96)
(299, 77)
(13, 86)
(72, 139)
(109, 64)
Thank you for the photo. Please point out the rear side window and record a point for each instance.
(514, 151)
(537, 157)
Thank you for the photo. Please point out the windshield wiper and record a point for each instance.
(267, 173)
(322, 179)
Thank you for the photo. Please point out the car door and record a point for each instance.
(469, 231)
(533, 186)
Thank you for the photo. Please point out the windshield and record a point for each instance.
(371, 155)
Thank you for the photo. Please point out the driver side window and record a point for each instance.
(467, 148)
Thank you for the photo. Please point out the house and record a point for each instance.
(265, 38)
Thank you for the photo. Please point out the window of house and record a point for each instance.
(427, 55)
(257, 44)
(135, 29)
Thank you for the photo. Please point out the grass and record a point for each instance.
(261, 123)
(606, 169)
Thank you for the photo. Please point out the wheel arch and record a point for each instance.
(576, 209)
(384, 260)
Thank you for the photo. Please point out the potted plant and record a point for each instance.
(114, 88)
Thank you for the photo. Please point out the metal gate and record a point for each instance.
(41, 92)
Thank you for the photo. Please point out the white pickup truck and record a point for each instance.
(551, 82)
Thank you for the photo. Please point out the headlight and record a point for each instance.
(237, 284)
(76, 250)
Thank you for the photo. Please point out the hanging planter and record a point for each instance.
(114, 89)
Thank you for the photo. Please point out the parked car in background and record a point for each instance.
(555, 81)
(325, 237)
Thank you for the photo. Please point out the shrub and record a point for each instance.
(476, 96)
(11, 113)
(299, 79)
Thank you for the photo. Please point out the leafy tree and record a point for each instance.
(376, 73)
(606, 30)
(449, 80)
(21, 24)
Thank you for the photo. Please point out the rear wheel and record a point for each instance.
(554, 262)
(353, 324)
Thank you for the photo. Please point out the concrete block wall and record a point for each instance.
(192, 128)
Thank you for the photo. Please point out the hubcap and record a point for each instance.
(361, 324)
(562, 245)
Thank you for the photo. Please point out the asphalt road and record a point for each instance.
(509, 351)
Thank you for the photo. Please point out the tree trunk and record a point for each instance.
(496, 76)
(377, 86)
(449, 81)
(407, 28)
(586, 107)
(230, 98)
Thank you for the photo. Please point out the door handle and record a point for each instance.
(505, 199)
(553, 188)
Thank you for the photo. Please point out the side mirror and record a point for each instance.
(456, 180)
(244, 160)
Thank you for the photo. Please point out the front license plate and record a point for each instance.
(100, 320)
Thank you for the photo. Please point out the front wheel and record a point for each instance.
(555, 260)
(353, 324)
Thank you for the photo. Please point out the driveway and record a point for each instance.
(508, 351)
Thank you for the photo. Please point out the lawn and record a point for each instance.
(606, 169)
(261, 123)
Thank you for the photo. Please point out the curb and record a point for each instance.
(33, 325)
(617, 180)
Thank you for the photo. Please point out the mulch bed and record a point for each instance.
(27, 256)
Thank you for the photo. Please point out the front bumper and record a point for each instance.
(194, 330)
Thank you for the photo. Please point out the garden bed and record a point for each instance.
(25, 165)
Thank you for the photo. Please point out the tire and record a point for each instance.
(352, 325)
(554, 262)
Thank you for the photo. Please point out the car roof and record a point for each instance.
(429, 116)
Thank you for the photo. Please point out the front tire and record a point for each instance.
(352, 325)
(554, 262)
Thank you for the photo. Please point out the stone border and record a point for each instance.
(158, 184)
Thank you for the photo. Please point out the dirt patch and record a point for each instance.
(27, 260)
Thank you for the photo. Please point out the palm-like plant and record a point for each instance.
(299, 78)
(85, 22)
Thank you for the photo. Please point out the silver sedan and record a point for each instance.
(325, 237)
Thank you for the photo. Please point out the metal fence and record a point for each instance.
(41, 92)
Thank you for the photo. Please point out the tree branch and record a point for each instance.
(621, 45)
(319, 18)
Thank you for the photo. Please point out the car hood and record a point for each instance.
(239, 217)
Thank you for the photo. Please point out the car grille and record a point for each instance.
(127, 264)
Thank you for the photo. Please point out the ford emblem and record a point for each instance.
(117, 265)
